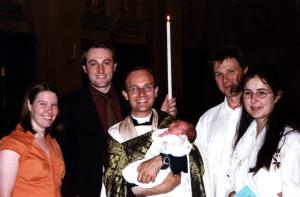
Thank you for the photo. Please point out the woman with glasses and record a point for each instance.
(266, 155)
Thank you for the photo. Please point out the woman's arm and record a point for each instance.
(170, 182)
(9, 163)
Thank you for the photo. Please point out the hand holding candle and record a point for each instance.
(169, 57)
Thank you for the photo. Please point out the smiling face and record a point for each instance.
(100, 67)
(140, 93)
(44, 110)
(228, 74)
(259, 108)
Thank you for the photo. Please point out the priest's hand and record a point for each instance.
(169, 106)
(149, 169)
(170, 182)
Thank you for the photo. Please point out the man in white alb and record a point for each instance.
(216, 127)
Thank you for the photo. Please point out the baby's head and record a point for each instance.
(181, 127)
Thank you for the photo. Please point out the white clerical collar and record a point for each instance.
(141, 120)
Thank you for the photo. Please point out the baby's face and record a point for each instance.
(178, 127)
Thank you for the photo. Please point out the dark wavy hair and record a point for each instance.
(276, 123)
(30, 96)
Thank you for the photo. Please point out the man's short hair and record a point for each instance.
(97, 44)
(228, 51)
(136, 68)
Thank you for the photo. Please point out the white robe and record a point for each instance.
(215, 132)
(284, 173)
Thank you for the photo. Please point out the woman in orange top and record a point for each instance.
(31, 162)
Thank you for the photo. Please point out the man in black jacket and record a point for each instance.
(87, 114)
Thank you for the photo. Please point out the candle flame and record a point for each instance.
(168, 18)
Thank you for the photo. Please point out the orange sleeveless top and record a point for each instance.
(38, 174)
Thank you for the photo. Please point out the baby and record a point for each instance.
(174, 141)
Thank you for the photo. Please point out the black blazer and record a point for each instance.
(83, 143)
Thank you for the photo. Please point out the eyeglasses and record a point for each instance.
(247, 94)
(136, 90)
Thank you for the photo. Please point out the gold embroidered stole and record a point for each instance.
(196, 171)
(120, 155)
